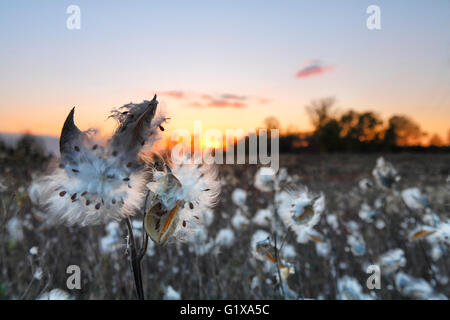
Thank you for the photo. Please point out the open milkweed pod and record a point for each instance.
(266, 250)
(306, 211)
(303, 210)
(97, 181)
(286, 269)
(385, 174)
(160, 224)
(189, 188)
(137, 126)
(161, 219)
(421, 232)
(315, 236)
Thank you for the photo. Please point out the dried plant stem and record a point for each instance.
(278, 265)
(135, 256)
(277, 259)
(135, 260)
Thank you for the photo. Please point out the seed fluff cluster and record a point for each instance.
(179, 196)
(96, 183)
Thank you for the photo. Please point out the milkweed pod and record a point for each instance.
(421, 232)
(266, 250)
(165, 185)
(286, 269)
(303, 210)
(161, 223)
(316, 236)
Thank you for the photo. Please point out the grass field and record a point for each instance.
(220, 263)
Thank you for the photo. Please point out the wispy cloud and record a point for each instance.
(225, 100)
(173, 94)
(312, 69)
(230, 96)
(264, 100)
(217, 100)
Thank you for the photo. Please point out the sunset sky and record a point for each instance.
(228, 63)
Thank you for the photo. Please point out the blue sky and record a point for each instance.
(127, 51)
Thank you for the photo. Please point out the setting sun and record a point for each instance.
(211, 144)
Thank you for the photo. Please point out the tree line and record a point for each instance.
(355, 131)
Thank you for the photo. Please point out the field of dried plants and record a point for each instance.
(360, 224)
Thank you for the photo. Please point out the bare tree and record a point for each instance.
(321, 111)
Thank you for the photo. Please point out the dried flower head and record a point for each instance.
(415, 288)
(357, 244)
(414, 199)
(300, 209)
(385, 174)
(265, 179)
(440, 233)
(421, 232)
(365, 184)
(179, 196)
(303, 211)
(95, 183)
(392, 260)
(266, 251)
(350, 289)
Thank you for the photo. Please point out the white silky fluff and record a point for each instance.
(291, 204)
(102, 178)
(199, 189)
(392, 260)
(95, 184)
(385, 174)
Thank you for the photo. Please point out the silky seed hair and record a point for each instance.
(95, 183)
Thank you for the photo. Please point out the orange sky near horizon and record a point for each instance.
(49, 120)
(230, 64)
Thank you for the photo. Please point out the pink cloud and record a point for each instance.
(174, 94)
(219, 100)
(225, 103)
(264, 100)
(313, 69)
(225, 100)
(229, 96)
